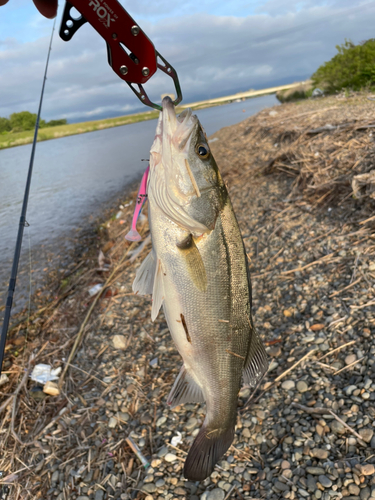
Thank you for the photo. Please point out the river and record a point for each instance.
(74, 178)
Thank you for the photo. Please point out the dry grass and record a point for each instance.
(325, 145)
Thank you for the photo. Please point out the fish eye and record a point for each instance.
(203, 151)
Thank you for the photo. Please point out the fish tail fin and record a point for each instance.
(209, 446)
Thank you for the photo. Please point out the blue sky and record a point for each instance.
(216, 47)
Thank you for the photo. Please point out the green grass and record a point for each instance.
(11, 139)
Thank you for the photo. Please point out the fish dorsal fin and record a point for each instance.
(194, 263)
(158, 291)
(256, 364)
(185, 390)
(144, 279)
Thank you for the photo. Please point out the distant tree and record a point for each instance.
(55, 123)
(4, 125)
(353, 67)
(26, 121)
(22, 121)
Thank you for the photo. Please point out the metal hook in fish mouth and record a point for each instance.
(168, 70)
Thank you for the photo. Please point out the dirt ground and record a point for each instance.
(301, 182)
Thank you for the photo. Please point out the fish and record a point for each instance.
(198, 271)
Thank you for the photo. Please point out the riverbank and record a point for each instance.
(308, 432)
(20, 138)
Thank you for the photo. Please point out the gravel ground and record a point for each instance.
(308, 432)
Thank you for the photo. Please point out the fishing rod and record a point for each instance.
(23, 223)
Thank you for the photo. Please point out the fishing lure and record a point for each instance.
(133, 234)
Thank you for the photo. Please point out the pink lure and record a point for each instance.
(133, 234)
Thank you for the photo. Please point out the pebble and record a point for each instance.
(337, 427)
(350, 389)
(366, 434)
(216, 494)
(246, 433)
(315, 471)
(191, 423)
(99, 495)
(302, 386)
(365, 493)
(325, 481)
(368, 470)
(353, 489)
(160, 421)
(288, 385)
(55, 476)
(149, 488)
(350, 359)
(179, 491)
(119, 342)
(112, 422)
(281, 486)
(319, 453)
(163, 451)
(170, 457)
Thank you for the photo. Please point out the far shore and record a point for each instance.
(20, 138)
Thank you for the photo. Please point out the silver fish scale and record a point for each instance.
(216, 352)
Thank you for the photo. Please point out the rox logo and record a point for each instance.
(102, 12)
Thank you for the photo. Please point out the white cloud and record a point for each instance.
(214, 55)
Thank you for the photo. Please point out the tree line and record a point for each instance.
(353, 67)
(18, 122)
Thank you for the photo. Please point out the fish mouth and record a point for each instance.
(178, 129)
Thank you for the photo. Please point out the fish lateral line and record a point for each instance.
(188, 338)
(192, 178)
(235, 354)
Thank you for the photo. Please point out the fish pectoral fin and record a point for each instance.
(209, 446)
(144, 279)
(185, 390)
(158, 291)
(194, 263)
(256, 364)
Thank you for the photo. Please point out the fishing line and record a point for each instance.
(22, 223)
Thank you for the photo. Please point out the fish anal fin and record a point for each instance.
(194, 263)
(144, 279)
(256, 364)
(209, 446)
(185, 390)
(157, 292)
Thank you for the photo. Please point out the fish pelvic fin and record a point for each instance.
(185, 390)
(256, 364)
(149, 279)
(209, 446)
(157, 292)
(144, 279)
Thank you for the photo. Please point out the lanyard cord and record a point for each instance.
(23, 223)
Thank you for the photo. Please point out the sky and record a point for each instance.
(217, 48)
